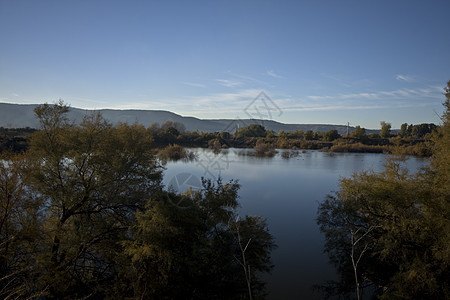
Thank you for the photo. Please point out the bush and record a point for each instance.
(175, 152)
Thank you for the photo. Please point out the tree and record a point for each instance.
(359, 133)
(298, 134)
(403, 130)
(263, 149)
(421, 130)
(404, 218)
(253, 130)
(385, 132)
(176, 126)
(391, 205)
(282, 134)
(92, 178)
(331, 135)
(197, 251)
(20, 231)
(308, 135)
(439, 205)
(270, 134)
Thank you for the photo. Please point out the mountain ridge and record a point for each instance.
(22, 115)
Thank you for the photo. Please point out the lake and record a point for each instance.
(286, 192)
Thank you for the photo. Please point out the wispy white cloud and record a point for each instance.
(194, 84)
(384, 95)
(245, 78)
(320, 97)
(18, 100)
(329, 107)
(340, 79)
(236, 101)
(273, 74)
(401, 77)
(229, 83)
(233, 104)
(395, 99)
(207, 105)
(84, 102)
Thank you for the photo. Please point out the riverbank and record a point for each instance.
(264, 143)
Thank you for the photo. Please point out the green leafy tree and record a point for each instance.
(282, 134)
(270, 134)
(92, 178)
(331, 135)
(385, 132)
(20, 231)
(253, 130)
(298, 134)
(400, 250)
(421, 130)
(359, 133)
(403, 130)
(439, 208)
(173, 126)
(403, 219)
(308, 135)
(197, 250)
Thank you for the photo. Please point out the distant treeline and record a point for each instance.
(410, 139)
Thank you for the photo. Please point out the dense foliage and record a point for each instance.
(410, 139)
(390, 231)
(83, 214)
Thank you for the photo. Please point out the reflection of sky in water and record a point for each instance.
(286, 192)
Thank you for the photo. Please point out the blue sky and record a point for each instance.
(319, 61)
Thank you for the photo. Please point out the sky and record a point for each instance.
(306, 62)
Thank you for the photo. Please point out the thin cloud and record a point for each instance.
(21, 100)
(239, 100)
(360, 95)
(395, 99)
(88, 103)
(334, 107)
(245, 78)
(317, 98)
(233, 104)
(226, 103)
(401, 77)
(273, 74)
(340, 79)
(229, 83)
(301, 108)
(384, 95)
(194, 84)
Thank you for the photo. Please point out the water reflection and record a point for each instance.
(287, 192)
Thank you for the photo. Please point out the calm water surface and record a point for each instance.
(286, 192)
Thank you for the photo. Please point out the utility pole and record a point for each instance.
(348, 129)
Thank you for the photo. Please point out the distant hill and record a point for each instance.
(22, 115)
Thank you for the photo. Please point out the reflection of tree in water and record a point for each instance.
(214, 163)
